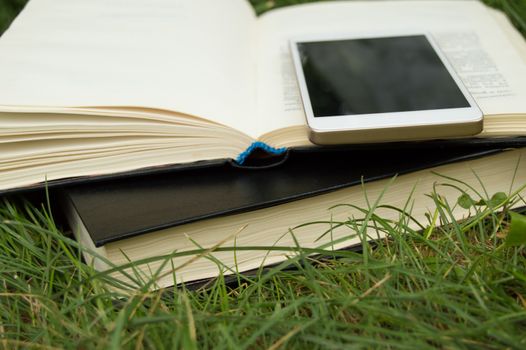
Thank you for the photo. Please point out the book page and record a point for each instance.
(472, 40)
(193, 57)
(512, 34)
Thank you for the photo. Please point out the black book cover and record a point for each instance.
(124, 206)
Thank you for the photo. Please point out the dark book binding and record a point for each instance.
(256, 157)
(125, 205)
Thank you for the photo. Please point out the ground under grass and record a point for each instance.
(457, 285)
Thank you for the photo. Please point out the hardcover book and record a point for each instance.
(189, 225)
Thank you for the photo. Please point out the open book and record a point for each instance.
(94, 87)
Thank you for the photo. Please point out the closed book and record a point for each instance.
(306, 199)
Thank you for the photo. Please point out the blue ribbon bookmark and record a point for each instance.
(259, 145)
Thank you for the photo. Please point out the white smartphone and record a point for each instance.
(381, 88)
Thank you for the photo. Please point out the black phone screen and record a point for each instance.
(377, 75)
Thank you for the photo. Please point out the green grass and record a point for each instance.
(454, 286)
(8, 11)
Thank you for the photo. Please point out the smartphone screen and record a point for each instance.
(377, 75)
